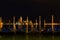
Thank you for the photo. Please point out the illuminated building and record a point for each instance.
(28, 25)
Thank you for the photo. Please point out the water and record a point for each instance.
(29, 37)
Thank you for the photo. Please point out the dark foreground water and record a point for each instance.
(29, 37)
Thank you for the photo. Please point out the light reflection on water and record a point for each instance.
(29, 37)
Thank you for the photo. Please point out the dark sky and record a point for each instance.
(29, 7)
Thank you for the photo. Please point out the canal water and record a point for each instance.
(29, 37)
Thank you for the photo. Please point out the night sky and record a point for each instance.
(29, 7)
